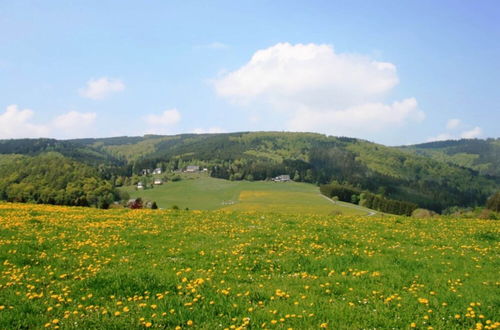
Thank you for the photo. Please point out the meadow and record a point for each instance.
(70, 267)
(201, 192)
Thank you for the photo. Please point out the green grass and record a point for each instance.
(201, 192)
(82, 268)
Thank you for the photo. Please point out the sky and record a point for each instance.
(391, 72)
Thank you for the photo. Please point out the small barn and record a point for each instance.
(282, 178)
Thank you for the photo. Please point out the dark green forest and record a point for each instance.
(419, 175)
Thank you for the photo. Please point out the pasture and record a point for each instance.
(69, 268)
(201, 192)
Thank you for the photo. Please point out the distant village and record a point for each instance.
(191, 169)
(158, 171)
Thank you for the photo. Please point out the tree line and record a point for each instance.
(364, 198)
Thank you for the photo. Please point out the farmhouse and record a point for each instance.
(192, 168)
(282, 178)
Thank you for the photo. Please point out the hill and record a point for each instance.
(394, 173)
(51, 178)
(201, 192)
(480, 155)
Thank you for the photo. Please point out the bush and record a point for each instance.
(493, 202)
(488, 215)
(423, 213)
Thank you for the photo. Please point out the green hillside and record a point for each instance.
(51, 178)
(201, 192)
(432, 179)
(480, 155)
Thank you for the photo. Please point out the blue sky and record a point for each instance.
(393, 72)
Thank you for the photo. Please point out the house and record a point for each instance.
(158, 181)
(140, 185)
(157, 171)
(146, 171)
(192, 168)
(282, 178)
(205, 169)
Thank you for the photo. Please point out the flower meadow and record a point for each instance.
(69, 267)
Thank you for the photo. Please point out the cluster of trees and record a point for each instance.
(376, 202)
(51, 178)
(383, 204)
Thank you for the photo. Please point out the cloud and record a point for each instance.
(74, 119)
(16, 123)
(211, 130)
(166, 118)
(441, 137)
(472, 134)
(312, 87)
(358, 119)
(97, 89)
(73, 124)
(453, 123)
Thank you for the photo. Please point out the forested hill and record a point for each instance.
(480, 155)
(408, 174)
(51, 178)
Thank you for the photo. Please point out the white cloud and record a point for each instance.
(16, 123)
(211, 130)
(453, 123)
(359, 119)
(73, 119)
(97, 89)
(472, 134)
(73, 124)
(441, 137)
(314, 88)
(166, 118)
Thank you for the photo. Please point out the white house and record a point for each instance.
(192, 168)
(158, 181)
(157, 171)
(140, 185)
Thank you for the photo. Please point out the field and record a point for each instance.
(200, 192)
(65, 267)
